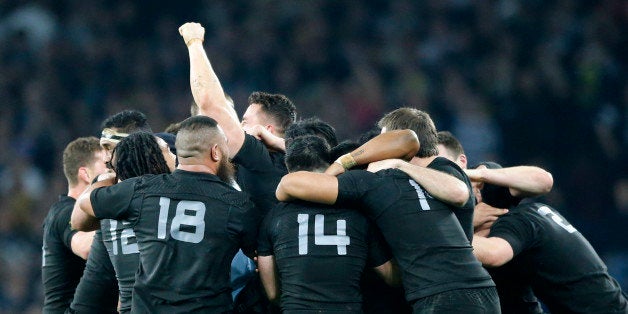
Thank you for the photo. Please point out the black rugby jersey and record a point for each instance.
(425, 236)
(560, 265)
(321, 252)
(61, 268)
(188, 227)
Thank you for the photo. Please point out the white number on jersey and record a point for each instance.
(340, 240)
(125, 235)
(188, 213)
(421, 193)
(545, 211)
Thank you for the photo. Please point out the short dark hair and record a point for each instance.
(448, 140)
(79, 153)
(418, 121)
(138, 154)
(308, 152)
(276, 106)
(312, 126)
(344, 147)
(196, 135)
(127, 121)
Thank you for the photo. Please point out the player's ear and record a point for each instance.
(83, 175)
(463, 160)
(216, 154)
(270, 128)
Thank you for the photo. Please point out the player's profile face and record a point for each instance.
(253, 116)
(169, 157)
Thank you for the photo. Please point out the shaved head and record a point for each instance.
(197, 136)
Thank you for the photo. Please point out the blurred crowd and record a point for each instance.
(538, 82)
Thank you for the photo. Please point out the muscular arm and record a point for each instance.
(493, 251)
(393, 144)
(308, 186)
(268, 275)
(83, 217)
(523, 181)
(206, 89)
(440, 185)
(81, 243)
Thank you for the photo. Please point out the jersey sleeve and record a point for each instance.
(378, 250)
(61, 225)
(352, 185)
(264, 240)
(253, 155)
(243, 224)
(519, 231)
(113, 201)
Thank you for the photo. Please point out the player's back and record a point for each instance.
(188, 227)
(562, 267)
(321, 252)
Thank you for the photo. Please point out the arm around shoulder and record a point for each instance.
(308, 186)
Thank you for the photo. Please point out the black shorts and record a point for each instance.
(476, 300)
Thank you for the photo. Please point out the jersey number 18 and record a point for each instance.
(188, 214)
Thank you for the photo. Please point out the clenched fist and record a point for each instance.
(192, 32)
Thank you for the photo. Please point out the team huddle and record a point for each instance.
(272, 214)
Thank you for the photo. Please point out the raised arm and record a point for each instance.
(308, 186)
(493, 251)
(393, 144)
(523, 181)
(440, 185)
(206, 89)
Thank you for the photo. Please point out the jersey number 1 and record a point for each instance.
(341, 240)
(188, 213)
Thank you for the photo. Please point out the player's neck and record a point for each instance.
(75, 191)
(198, 168)
(422, 161)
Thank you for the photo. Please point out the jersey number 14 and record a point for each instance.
(340, 240)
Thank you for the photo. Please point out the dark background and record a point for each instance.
(539, 82)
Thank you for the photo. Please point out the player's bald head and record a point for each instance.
(197, 135)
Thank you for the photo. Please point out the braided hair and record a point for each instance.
(138, 154)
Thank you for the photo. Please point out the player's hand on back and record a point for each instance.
(485, 215)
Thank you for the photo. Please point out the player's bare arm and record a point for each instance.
(269, 277)
(440, 185)
(493, 251)
(206, 89)
(271, 141)
(81, 243)
(523, 181)
(393, 144)
(83, 217)
(308, 186)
